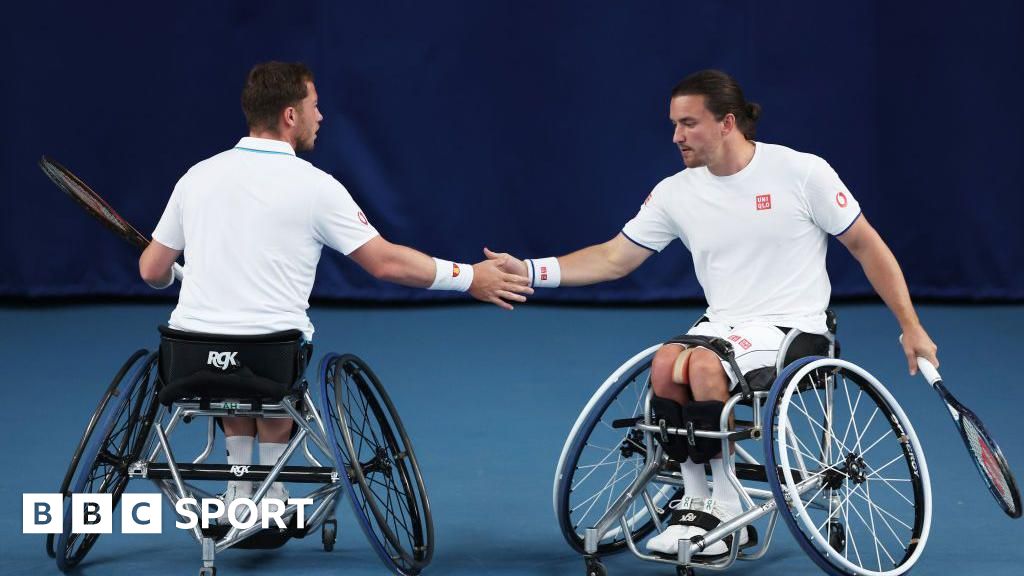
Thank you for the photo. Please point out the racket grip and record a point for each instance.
(930, 373)
(178, 271)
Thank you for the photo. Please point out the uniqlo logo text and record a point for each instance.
(743, 342)
(543, 272)
(764, 201)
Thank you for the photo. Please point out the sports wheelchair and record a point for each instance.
(843, 466)
(355, 444)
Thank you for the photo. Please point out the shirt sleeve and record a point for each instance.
(652, 228)
(170, 231)
(832, 207)
(337, 220)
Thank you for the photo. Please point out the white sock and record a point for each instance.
(695, 481)
(239, 450)
(724, 492)
(270, 453)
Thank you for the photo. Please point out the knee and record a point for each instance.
(707, 377)
(662, 365)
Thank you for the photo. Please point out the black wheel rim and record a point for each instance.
(102, 467)
(382, 466)
(97, 416)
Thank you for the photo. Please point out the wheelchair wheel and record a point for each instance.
(853, 484)
(97, 415)
(599, 460)
(385, 485)
(113, 440)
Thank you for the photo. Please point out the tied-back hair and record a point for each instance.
(270, 88)
(722, 95)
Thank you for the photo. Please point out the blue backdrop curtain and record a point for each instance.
(529, 127)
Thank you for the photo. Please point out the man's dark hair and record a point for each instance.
(270, 88)
(722, 95)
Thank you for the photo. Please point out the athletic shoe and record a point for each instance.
(693, 517)
(235, 491)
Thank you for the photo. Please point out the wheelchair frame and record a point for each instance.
(621, 524)
(127, 435)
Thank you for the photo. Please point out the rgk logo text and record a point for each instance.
(222, 360)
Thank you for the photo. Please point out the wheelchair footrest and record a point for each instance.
(698, 560)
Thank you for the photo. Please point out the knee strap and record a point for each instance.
(703, 416)
(681, 367)
(671, 413)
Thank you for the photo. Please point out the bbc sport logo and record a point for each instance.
(142, 513)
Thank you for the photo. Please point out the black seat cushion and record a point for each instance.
(195, 365)
(761, 379)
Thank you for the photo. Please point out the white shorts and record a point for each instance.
(754, 345)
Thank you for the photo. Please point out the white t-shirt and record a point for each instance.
(758, 237)
(252, 221)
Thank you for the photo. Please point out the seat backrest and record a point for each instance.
(215, 365)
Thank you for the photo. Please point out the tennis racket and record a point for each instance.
(96, 206)
(983, 449)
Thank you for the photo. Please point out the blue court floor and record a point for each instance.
(488, 398)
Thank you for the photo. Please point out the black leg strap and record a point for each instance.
(722, 348)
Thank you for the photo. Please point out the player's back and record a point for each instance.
(250, 251)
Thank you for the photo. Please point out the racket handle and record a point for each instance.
(178, 271)
(930, 373)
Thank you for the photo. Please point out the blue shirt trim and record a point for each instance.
(852, 222)
(262, 151)
(637, 243)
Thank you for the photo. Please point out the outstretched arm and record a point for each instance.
(610, 260)
(883, 271)
(409, 267)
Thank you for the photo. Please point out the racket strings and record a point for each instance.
(988, 462)
(80, 191)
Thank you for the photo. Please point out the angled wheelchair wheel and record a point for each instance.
(113, 440)
(385, 485)
(850, 468)
(603, 455)
(98, 415)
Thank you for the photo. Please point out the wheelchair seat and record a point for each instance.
(805, 344)
(761, 379)
(209, 367)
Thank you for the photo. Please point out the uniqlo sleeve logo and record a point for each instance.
(764, 201)
(543, 272)
(841, 200)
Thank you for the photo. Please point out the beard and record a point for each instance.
(305, 144)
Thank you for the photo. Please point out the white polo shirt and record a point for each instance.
(758, 237)
(252, 222)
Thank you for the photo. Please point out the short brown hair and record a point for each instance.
(722, 95)
(270, 88)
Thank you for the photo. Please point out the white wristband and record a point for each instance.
(451, 276)
(544, 272)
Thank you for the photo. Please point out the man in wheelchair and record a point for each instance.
(252, 222)
(756, 217)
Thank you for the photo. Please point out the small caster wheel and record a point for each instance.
(208, 571)
(837, 536)
(329, 534)
(594, 567)
(684, 571)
